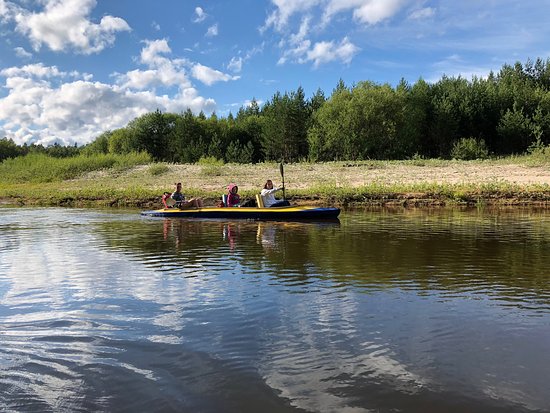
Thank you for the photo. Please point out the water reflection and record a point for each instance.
(386, 310)
(498, 255)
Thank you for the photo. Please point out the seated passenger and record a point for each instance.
(181, 202)
(233, 198)
(269, 197)
(167, 201)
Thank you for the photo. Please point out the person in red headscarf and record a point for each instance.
(233, 198)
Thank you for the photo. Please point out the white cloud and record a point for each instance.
(155, 25)
(376, 11)
(200, 15)
(363, 11)
(151, 53)
(324, 52)
(3, 9)
(45, 111)
(164, 71)
(302, 46)
(7, 10)
(65, 24)
(319, 53)
(235, 64)
(45, 105)
(278, 19)
(422, 13)
(212, 31)
(37, 70)
(297, 51)
(138, 79)
(302, 31)
(22, 53)
(209, 76)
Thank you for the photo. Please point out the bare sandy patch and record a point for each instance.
(303, 176)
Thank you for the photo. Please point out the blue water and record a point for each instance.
(385, 310)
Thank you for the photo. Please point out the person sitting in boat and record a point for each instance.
(167, 201)
(233, 198)
(268, 196)
(181, 202)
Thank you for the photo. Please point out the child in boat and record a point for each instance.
(268, 195)
(181, 202)
(233, 198)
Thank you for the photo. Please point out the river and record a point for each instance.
(442, 310)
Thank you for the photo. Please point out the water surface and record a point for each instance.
(383, 310)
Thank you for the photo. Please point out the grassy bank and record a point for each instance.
(134, 181)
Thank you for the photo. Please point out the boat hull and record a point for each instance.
(276, 213)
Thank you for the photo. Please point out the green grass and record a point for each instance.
(211, 166)
(428, 193)
(157, 169)
(115, 180)
(40, 168)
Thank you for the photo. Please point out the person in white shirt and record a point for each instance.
(268, 195)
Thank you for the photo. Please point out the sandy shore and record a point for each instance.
(353, 175)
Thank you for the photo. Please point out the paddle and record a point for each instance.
(283, 177)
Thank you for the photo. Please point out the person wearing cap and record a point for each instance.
(181, 202)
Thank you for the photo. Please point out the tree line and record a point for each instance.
(505, 113)
(9, 149)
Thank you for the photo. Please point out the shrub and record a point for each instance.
(210, 160)
(469, 148)
(418, 160)
(538, 153)
(210, 166)
(538, 148)
(158, 169)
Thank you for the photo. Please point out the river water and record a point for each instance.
(384, 311)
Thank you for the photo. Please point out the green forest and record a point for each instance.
(503, 114)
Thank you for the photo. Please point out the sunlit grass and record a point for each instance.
(42, 168)
(157, 169)
(134, 181)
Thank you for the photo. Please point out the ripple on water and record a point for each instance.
(107, 312)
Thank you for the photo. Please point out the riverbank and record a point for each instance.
(511, 181)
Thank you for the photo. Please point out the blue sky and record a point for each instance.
(72, 69)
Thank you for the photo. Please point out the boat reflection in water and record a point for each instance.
(436, 253)
(242, 237)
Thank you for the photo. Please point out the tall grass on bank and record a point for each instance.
(431, 193)
(211, 166)
(156, 169)
(40, 168)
